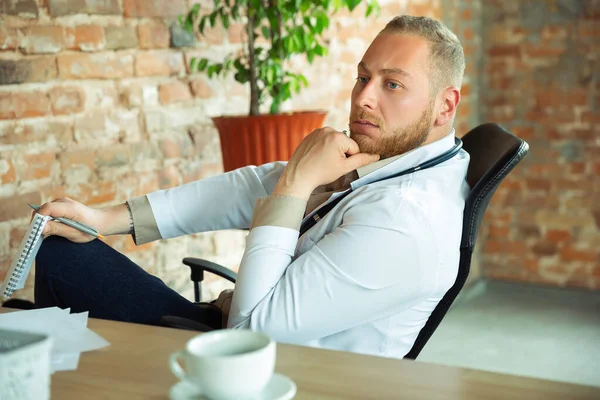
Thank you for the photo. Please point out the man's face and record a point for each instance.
(392, 109)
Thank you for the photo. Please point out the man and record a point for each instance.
(366, 276)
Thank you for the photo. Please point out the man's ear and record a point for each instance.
(450, 97)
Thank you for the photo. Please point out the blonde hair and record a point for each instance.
(447, 59)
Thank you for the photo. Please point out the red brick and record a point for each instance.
(86, 37)
(43, 68)
(77, 158)
(113, 156)
(531, 265)
(14, 207)
(98, 193)
(507, 50)
(201, 89)
(67, 100)
(577, 168)
(494, 246)
(237, 33)
(43, 39)
(173, 92)
(466, 14)
(524, 132)
(544, 51)
(7, 171)
(154, 8)
(464, 110)
(589, 117)
(31, 104)
(120, 37)
(571, 254)
(108, 65)
(468, 34)
(59, 8)
(549, 98)
(558, 236)
(38, 130)
(39, 166)
(538, 184)
(216, 35)
(9, 38)
(153, 35)
(159, 63)
(576, 97)
(500, 232)
(526, 231)
(544, 249)
(7, 110)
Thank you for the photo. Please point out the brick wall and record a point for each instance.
(97, 103)
(541, 80)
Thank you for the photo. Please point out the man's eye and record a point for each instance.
(362, 79)
(393, 85)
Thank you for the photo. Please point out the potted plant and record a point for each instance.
(276, 31)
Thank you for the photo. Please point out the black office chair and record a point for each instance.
(494, 153)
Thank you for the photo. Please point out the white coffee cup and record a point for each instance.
(227, 364)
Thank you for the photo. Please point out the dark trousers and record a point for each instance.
(96, 278)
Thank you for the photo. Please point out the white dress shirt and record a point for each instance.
(364, 279)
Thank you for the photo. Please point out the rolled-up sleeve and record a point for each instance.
(281, 211)
(144, 224)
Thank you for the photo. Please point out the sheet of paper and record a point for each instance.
(69, 333)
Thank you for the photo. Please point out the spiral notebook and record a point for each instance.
(21, 265)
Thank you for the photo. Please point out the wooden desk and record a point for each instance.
(135, 366)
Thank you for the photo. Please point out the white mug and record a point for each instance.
(227, 364)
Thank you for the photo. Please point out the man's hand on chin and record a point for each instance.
(321, 158)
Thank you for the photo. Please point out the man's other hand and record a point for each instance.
(108, 221)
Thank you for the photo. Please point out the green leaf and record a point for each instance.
(202, 24)
(213, 18)
(225, 20)
(202, 64)
(303, 79)
(195, 11)
(193, 63)
(266, 32)
(352, 4)
(320, 50)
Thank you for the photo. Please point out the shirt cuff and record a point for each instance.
(278, 210)
(145, 227)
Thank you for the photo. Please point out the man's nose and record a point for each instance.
(366, 97)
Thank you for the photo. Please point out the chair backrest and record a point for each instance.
(494, 153)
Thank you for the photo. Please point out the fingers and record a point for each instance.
(63, 207)
(58, 229)
(350, 146)
(360, 160)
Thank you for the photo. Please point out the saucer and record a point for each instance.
(280, 387)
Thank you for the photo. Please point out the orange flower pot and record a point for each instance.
(259, 139)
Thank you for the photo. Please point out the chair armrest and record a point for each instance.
(198, 266)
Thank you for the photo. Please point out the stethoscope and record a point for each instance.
(448, 154)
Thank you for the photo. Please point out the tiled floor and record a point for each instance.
(524, 330)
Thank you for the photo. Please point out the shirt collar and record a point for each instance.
(380, 169)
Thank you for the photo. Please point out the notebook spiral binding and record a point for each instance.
(19, 269)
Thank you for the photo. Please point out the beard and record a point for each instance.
(395, 141)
